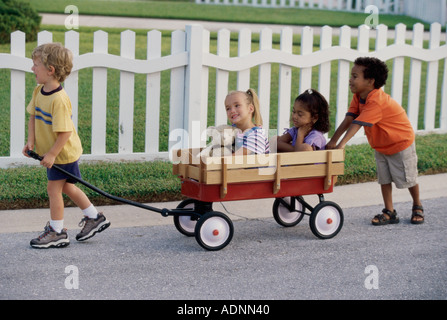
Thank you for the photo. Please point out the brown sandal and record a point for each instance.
(382, 220)
(417, 214)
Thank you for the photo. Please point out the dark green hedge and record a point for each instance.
(16, 15)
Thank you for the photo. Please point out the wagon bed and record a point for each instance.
(257, 176)
(287, 177)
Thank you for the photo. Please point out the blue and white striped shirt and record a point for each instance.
(253, 140)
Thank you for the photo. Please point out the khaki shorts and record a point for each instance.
(400, 168)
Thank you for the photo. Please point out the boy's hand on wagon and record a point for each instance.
(331, 145)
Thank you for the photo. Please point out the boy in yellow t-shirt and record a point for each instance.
(51, 131)
(389, 133)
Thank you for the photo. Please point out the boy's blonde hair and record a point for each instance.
(252, 98)
(57, 56)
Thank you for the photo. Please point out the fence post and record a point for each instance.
(99, 96)
(153, 95)
(307, 40)
(285, 83)
(127, 93)
(222, 76)
(264, 77)
(363, 48)
(398, 66)
(44, 37)
(244, 48)
(17, 124)
(415, 78)
(177, 95)
(324, 71)
(193, 107)
(432, 79)
(443, 114)
(343, 78)
(381, 37)
(324, 75)
(204, 91)
(71, 83)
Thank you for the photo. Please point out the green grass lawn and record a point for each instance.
(191, 11)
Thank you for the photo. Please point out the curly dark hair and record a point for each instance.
(317, 106)
(374, 69)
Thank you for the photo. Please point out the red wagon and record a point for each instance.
(287, 177)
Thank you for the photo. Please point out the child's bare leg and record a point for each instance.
(387, 195)
(77, 196)
(54, 189)
(414, 192)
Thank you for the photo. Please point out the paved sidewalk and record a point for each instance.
(348, 196)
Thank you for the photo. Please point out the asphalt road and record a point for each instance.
(263, 261)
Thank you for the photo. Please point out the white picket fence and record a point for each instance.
(427, 10)
(189, 63)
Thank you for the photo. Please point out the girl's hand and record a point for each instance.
(304, 130)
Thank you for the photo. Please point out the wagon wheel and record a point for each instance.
(185, 224)
(214, 231)
(288, 212)
(326, 220)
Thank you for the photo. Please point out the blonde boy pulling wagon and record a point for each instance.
(51, 131)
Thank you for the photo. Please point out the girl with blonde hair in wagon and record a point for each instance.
(243, 112)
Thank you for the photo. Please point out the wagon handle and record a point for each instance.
(164, 212)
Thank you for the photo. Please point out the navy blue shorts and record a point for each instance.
(73, 168)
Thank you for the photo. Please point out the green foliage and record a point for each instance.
(16, 15)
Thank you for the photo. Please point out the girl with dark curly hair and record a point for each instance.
(310, 117)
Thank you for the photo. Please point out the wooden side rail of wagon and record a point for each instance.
(278, 170)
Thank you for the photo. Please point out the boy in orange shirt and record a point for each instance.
(389, 132)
